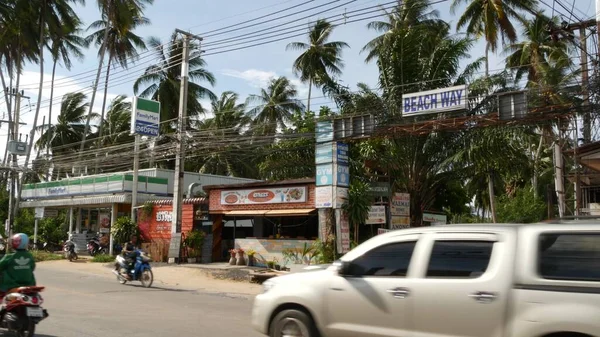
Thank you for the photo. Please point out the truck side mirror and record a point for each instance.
(344, 267)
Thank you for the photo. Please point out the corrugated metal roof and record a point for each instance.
(262, 183)
(194, 201)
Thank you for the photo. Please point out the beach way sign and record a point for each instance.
(438, 100)
(145, 117)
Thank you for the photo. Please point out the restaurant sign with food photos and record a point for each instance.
(264, 196)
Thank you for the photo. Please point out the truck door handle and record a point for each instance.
(399, 292)
(483, 297)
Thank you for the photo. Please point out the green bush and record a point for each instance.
(103, 258)
(40, 256)
(194, 240)
(523, 207)
(123, 229)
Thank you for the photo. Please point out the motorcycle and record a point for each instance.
(141, 269)
(21, 310)
(94, 247)
(69, 249)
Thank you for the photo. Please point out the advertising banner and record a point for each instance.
(323, 196)
(264, 196)
(376, 215)
(438, 100)
(400, 204)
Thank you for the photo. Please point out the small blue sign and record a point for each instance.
(342, 175)
(324, 174)
(342, 153)
(324, 153)
(324, 132)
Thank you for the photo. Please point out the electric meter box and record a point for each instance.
(18, 148)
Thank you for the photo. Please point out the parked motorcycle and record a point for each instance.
(69, 249)
(141, 269)
(21, 310)
(94, 247)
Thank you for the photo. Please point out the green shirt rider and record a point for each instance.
(17, 268)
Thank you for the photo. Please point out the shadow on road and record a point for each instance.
(139, 286)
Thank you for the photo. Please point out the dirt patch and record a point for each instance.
(228, 281)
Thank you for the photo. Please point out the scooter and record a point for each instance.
(21, 310)
(141, 269)
(69, 249)
(94, 247)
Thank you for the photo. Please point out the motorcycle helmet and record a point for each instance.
(20, 241)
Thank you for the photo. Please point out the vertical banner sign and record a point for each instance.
(400, 210)
(145, 117)
(342, 231)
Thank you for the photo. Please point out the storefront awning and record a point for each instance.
(66, 202)
(245, 212)
(290, 212)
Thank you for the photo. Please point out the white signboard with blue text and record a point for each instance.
(145, 117)
(324, 174)
(342, 175)
(342, 153)
(323, 153)
(324, 131)
(432, 101)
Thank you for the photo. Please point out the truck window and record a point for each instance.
(572, 257)
(387, 260)
(459, 259)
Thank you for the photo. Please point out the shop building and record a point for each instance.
(95, 202)
(267, 217)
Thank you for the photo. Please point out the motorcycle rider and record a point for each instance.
(17, 268)
(129, 252)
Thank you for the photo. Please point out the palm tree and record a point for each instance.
(411, 30)
(162, 81)
(491, 20)
(537, 52)
(64, 136)
(228, 121)
(116, 124)
(118, 13)
(63, 45)
(275, 106)
(122, 47)
(320, 58)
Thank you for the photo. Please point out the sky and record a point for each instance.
(243, 71)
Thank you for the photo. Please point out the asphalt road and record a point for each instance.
(82, 305)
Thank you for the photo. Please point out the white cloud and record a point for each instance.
(255, 77)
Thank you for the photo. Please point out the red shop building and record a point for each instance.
(267, 217)
(155, 223)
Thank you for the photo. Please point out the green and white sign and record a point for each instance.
(145, 117)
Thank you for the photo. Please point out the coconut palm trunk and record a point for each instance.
(49, 177)
(37, 106)
(309, 93)
(95, 86)
(100, 129)
(492, 197)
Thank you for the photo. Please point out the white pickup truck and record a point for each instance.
(540, 280)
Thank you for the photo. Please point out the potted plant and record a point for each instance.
(232, 259)
(241, 261)
(271, 264)
(194, 241)
(251, 260)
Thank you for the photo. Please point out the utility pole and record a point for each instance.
(174, 250)
(13, 172)
(136, 168)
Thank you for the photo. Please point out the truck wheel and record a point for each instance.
(293, 323)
